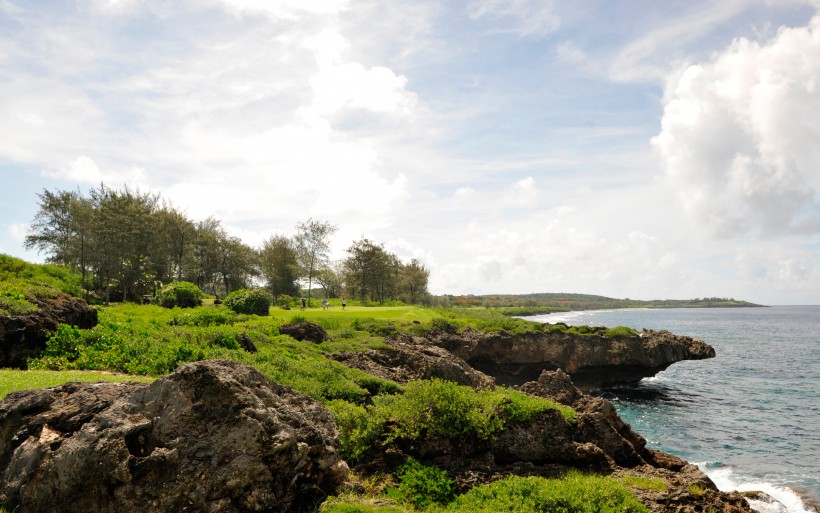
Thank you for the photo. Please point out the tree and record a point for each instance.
(312, 246)
(61, 228)
(413, 284)
(205, 254)
(371, 272)
(124, 228)
(236, 263)
(176, 241)
(278, 265)
(53, 228)
(331, 278)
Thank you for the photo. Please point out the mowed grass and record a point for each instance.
(12, 380)
(386, 313)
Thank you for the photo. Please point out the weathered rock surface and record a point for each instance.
(24, 336)
(410, 358)
(591, 361)
(213, 436)
(305, 331)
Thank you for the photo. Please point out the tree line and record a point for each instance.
(126, 244)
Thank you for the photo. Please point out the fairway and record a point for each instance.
(387, 313)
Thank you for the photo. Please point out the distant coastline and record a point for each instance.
(552, 302)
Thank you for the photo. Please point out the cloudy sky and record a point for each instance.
(636, 149)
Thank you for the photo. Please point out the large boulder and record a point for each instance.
(591, 360)
(213, 436)
(24, 336)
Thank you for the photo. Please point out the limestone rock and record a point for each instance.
(410, 358)
(24, 336)
(591, 361)
(213, 436)
(305, 331)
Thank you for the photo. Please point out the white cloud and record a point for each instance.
(83, 169)
(523, 17)
(17, 231)
(521, 194)
(739, 136)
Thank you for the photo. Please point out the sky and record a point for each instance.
(633, 149)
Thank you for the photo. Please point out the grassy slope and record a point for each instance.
(12, 380)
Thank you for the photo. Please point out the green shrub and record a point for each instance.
(285, 300)
(249, 301)
(182, 294)
(434, 408)
(575, 493)
(422, 486)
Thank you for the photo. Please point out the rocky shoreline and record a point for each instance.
(219, 436)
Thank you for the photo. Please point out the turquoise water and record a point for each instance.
(750, 418)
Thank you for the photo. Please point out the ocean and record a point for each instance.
(749, 418)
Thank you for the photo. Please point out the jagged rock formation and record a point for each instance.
(24, 336)
(410, 358)
(305, 331)
(213, 436)
(591, 361)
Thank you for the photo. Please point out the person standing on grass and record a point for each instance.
(324, 304)
(344, 302)
(303, 303)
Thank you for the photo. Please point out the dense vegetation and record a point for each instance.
(126, 244)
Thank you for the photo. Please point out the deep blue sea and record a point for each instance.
(750, 418)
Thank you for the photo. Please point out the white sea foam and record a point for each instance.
(785, 499)
(554, 318)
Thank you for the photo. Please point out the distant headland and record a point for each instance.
(551, 302)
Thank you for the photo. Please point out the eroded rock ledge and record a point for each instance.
(23, 336)
(591, 361)
(213, 436)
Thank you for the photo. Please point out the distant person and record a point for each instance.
(302, 301)
(324, 304)
(344, 302)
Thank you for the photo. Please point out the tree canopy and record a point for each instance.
(127, 244)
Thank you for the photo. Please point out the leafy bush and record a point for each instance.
(183, 294)
(575, 493)
(423, 486)
(249, 301)
(285, 300)
(432, 408)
